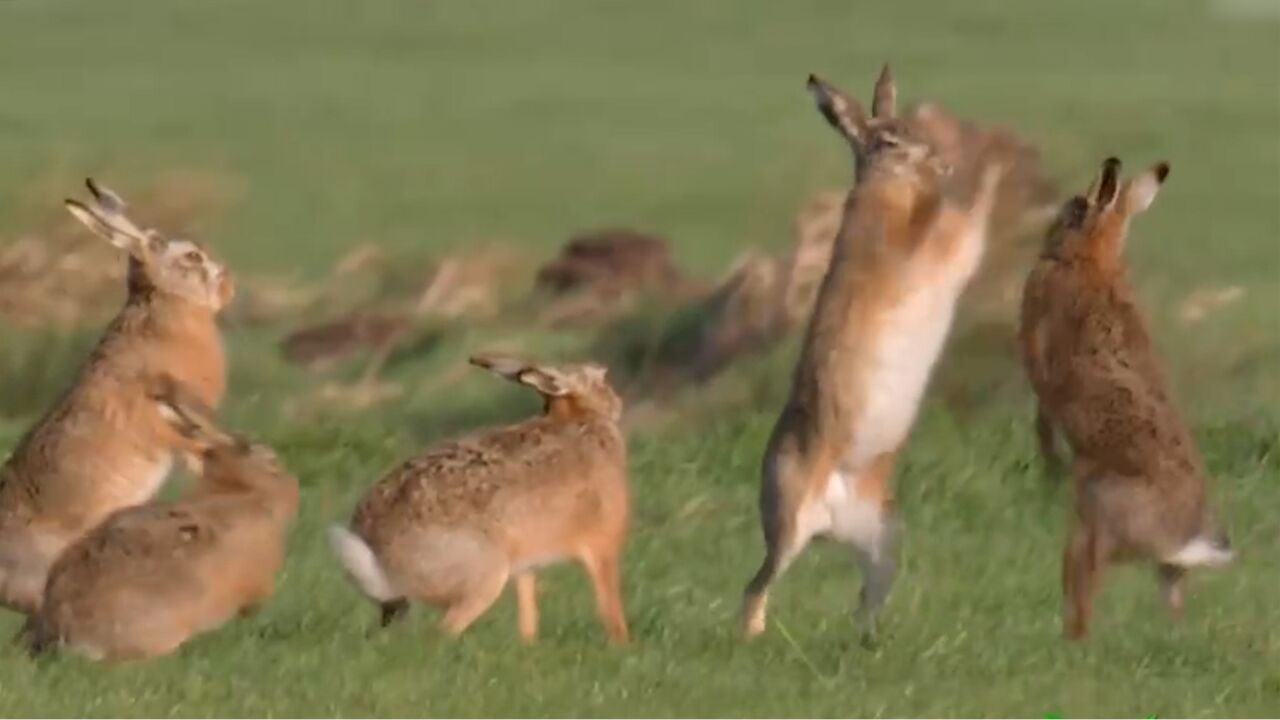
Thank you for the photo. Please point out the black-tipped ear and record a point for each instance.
(841, 111)
(506, 366)
(885, 102)
(106, 198)
(1103, 191)
(1141, 191)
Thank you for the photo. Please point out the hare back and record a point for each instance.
(142, 616)
(1094, 367)
(493, 477)
(103, 445)
(96, 455)
(157, 543)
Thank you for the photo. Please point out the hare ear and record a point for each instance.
(885, 102)
(543, 379)
(1141, 191)
(841, 111)
(99, 226)
(106, 218)
(507, 366)
(1103, 190)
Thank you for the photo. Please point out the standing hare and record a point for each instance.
(904, 254)
(104, 446)
(151, 577)
(1139, 482)
(450, 526)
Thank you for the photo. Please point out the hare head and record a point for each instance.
(171, 266)
(230, 462)
(1095, 224)
(882, 142)
(568, 389)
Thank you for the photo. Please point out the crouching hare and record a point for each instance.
(450, 526)
(905, 251)
(151, 577)
(104, 446)
(1139, 482)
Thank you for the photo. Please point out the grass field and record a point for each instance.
(439, 125)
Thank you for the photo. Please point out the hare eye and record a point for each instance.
(192, 256)
(890, 140)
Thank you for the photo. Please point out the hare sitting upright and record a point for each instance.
(103, 446)
(1139, 482)
(151, 577)
(450, 526)
(905, 251)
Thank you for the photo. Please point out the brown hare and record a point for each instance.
(103, 446)
(904, 254)
(1139, 483)
(450, 526)
(151, 577)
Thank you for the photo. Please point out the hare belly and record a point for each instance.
(903, 354)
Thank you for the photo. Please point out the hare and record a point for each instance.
(450, 526)
(904, 254)
(1138, 479)
(152, 576)
(103, 446)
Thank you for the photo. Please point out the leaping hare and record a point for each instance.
(1139, 483)
(103, 446)
(904, 254)
(151, 577)
(450, 526)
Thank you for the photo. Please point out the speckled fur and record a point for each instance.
(905, 252)
(1139, 483)
(449, 526)
(150, 577)
(103, 445)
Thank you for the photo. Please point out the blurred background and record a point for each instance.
(399, 184)
(338, 155)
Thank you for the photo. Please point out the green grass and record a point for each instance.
(429, 126)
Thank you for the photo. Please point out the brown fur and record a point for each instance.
(1139, 481)
(103, 445)
(449, 526)
(150, 577)
(901, 232)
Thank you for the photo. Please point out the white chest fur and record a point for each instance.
(902, 357)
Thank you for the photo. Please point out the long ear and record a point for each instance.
(105, 216)
(186, 413)
(1141, 191)
(1103, 190)
(885, 102)
(542, 379)
(841, 111)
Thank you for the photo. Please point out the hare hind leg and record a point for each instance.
(476, 597)
(1172, 579)
(787, 531)
(1087, 553)
(862, 517)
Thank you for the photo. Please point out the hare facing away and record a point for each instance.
(905, 251)
(450, 526)
(104, 446)
(152, 576)
(1139, 483)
